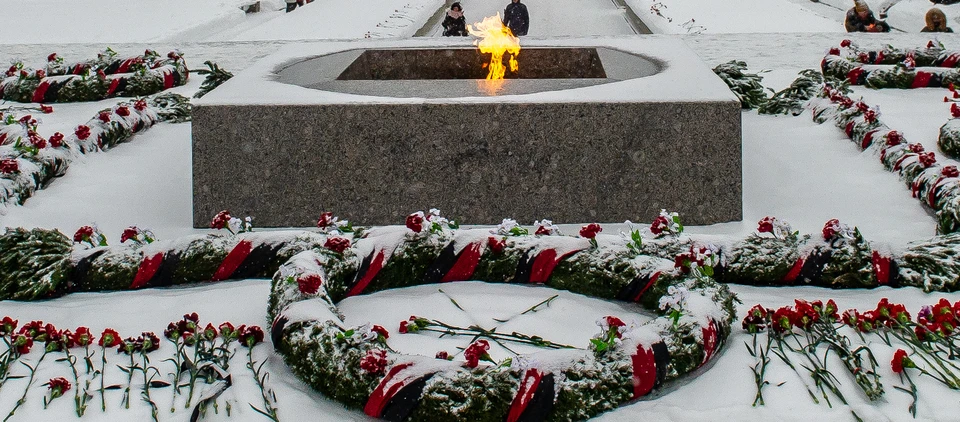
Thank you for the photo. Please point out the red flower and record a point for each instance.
(83, 234)
(52, 57)
(36, 140)
(614, 322)
(104, 116)
(900, 360)
(496, 244)
(326, 220)
(403, 327)
(834, 51)
(22, 342)
(129, 233)
(756, 319)
(109, 338)
(659, 225)
(8, 326)
(442, 355)
(894, 138)
(41, 74)
(783, 319)
(930, 45)
(46, 109)
(140, 105)
(590, 230)
(950, 171)
(845, 43)
(82, 132)
(210, 332)
(337, 244)
(954, 110)
(58, 386)
(9, 166)
(831, 229)
(309, 285)
(916, 148)
(150, 342)
(805, 314)
(475, 352)
(543, 230)
(12, 71)
(415, 222)
(381, 331)
(24, 74)
(227, 331)
(250, 336)
(56, 140)
(765, 225)
(220, 220)
(927, 159)
(28, 120)
(83, 337)
(123, 111)
(375, 361)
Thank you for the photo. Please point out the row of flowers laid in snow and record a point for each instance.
(107, 76)
(810, 328)
(201, 354)
(672, 275)
(935, 185)
(892, 68)
(28, 161)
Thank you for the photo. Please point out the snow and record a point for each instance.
(794, 169)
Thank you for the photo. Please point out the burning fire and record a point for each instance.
(496, 39)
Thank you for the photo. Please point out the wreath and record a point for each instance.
(107, 76)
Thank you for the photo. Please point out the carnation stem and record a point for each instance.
(103, 373)
(477, 331)
(23, 398)
(79, 394)
(178, 345)
(154, 411)
(783, 356)
(912, 392)
(268, 397)
(126, 392)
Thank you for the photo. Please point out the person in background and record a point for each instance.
(292, 4)
(516, 18)
(936, 21)
(860, 19)
(455, 25)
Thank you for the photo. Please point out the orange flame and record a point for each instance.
(496, 39)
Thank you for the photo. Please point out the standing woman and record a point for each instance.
(455, 25)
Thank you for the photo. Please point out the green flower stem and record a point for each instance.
(944, 374)
(193, 370)
(782, 354)
(79, 394)
(178, 345)
(23, 398)
(760, 368)
(267, 395)
(867, 379)
(88, 359)
(145, 394)
(103, 374)
(6, 359)
(474, 330)
(126, 392)
(912, 392)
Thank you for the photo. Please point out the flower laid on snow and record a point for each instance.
(9, 166)
(8, 326)
(510, 227)
(82, 132)
(382, 333)
(330, 224)
(477, 352)
(950, 171)
(927, 159)
(337, 244)
(846, 43)
(374, 362)
(53, 57)
(56, 140)
(667, 223)
(109, 338)
(91, 235)
(140, 105)
(545, 228)
(209, 332)
(443, 355)
(250, 336)
(901, 361)
(833, 230)
(123, 111)
(46, 109)
(104, 116)
(83, 337)
(228, 332)
(954, 110)
(40, 74)
(56, 386)
(22, 343)
(134, 234)
(894, 138)
(309, 284)
(414, 222)
(757, 319)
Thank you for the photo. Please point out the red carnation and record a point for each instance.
(325, 220)
(220, 220)
(22, 342)
(475, 352)
(927, 159)
(845, 43)
(9, 166)
(227, 331)
(109, 338)
(310, 284)
(950, 171)
(543, 231)
(104, 116)
(496, 244)
(83, 337)
(36, 140)
(783, 319)
(150, 342)
(58, 386)
(210, 332)
(900, 361)
(954, 110)
(46, 109)
(590, 230)
(41, 74)
(374, 362)
(82, 132)
(916, 148)
(140, 105)
(12, 71)
(129, 233)
(756, 319)
(123, 111)
(83, 234)
(831, 229)
(930, 45)
(381, 331)
(834, 51)
(614, 322)
(337, 244)
(894, 138)
(443, 355)
(28, 120)
(765, 225)
(24, 74)
(52, 57)
(403, 327)
(415, 222)
(8, 326)
(250, 336)
(659, 225)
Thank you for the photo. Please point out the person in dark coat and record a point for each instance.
(516, 18)
(936, 21)
(455, 25)
(861, 19)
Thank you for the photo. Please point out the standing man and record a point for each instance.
(516, 18)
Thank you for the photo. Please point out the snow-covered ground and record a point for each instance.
(794, 169)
